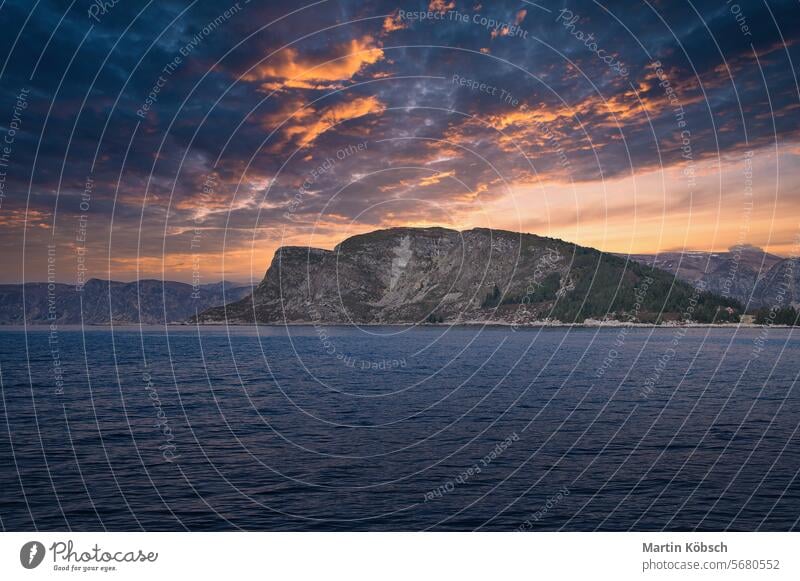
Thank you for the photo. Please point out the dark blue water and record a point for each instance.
(393, 428)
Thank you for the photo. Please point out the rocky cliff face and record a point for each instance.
(746, 273)
(780, 286)
(417, 275)
(103, 301)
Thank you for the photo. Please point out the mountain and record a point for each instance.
(780, 286)
(101, 300)
(745, 273)
(414, 275)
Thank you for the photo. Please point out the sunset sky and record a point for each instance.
(179, 139)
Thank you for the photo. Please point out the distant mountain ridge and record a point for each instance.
(102, 301)
(746, 273)
(417, 275)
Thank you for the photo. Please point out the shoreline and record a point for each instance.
(463, 324)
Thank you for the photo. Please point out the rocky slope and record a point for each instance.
(780, 286)
(745, 273)
(416, 275)
(148, 302)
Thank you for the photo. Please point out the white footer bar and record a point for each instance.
(400, 556)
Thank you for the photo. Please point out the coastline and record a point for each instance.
(463, 324)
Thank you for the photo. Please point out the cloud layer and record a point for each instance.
(159, 139)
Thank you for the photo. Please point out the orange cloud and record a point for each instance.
(501, 32)
(307, 124)
(393, 22)
(525, 117)
(441, 6)
(30, 218)
(290, 68)
(436, 178)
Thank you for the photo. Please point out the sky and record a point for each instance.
(189, 140)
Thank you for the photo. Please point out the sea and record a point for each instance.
(442, 428)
